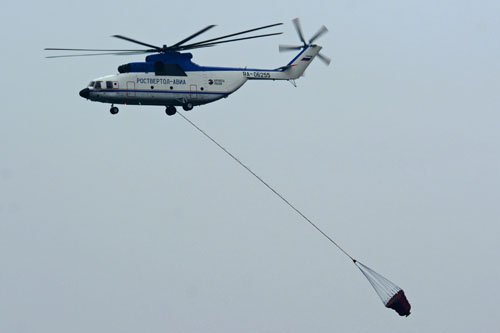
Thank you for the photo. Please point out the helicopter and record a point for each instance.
(169, 78)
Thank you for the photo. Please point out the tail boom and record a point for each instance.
(292, 71)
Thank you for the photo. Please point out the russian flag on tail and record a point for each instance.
(306, 58)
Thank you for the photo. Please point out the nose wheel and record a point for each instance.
(170, 110)
(113, 110)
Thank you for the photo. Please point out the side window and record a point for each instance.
(109, 85)
(91, 84)
(97, 85)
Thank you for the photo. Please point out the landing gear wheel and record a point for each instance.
(114, 110)
(188, 106)
(170, 110)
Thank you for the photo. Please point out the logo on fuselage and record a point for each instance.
(217, 82)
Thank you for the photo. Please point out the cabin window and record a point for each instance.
(97, 85)
(109, 85)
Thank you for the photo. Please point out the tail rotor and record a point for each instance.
(323, 30)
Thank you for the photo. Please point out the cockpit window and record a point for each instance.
(91, 84)
(109, 85)
(97, 85)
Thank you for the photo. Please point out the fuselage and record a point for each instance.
(198, 88)
(173, 80)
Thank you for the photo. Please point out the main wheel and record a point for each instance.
(114, 110)
(170, 110)
(188, 106)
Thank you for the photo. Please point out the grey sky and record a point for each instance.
(137, 223)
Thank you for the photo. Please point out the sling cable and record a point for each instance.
(392, 296)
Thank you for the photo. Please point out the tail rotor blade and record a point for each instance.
(283, 48)
(324, 58)
(296, 23)
(323, 30)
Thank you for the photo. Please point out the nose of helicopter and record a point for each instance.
(85, 93)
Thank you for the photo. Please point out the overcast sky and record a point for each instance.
(137, 223)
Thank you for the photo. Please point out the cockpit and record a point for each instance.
(95, 84)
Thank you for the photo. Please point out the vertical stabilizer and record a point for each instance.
(296, 67)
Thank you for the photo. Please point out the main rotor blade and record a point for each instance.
(195, 46)
(99, 54)
(93, 50)
(323, 30)
(296, 23)
(324, 58)
(137, 42)
(235, 34)
(192, 36)
(283, 48)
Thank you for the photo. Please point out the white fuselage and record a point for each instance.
(149, 89)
